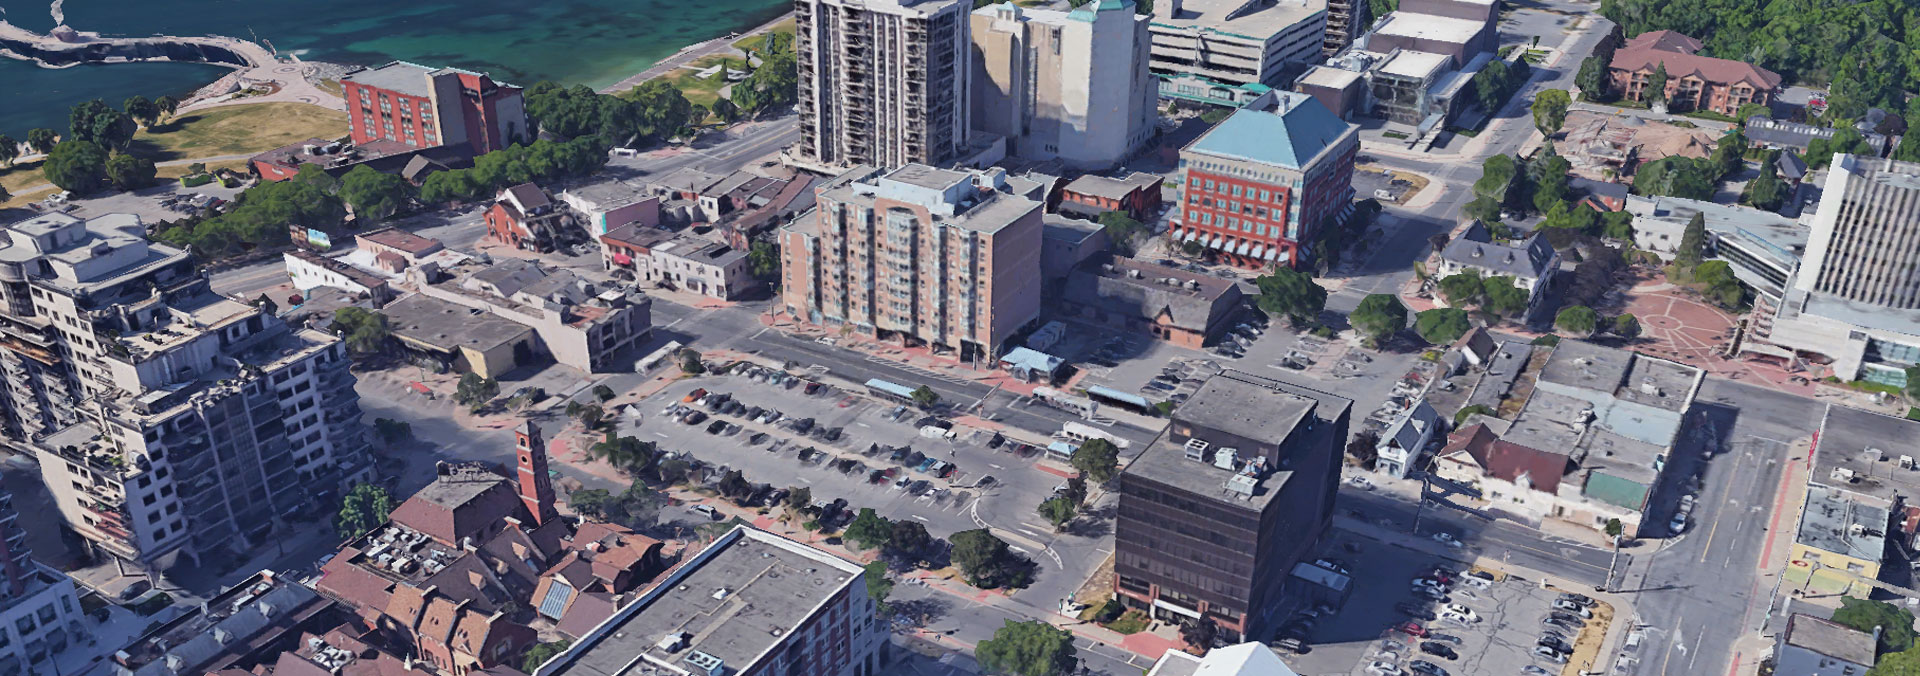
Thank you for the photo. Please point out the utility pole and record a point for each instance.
(1607, 584)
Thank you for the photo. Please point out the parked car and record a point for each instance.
(1556, 643)
(1445, 638)
(1581, 599)
(706, 511)
(1549, 654)
(1574, 608)
(1440, 650)
(1381, 668)
(697, 393)
(1415, 611)
(1447, 539)
(694, 418)
(1292, 645)
(1425, 667)
(756, 438)
(1411, 629)
(1531, 670)
(716, 427)
(1569, 618)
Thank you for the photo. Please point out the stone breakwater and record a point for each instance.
(66, 47)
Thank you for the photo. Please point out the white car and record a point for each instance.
(1462, 611)
(1383, 669)
(1360, 482)
(1447, 539)
(1571, 607)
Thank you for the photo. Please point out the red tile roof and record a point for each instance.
(1649, 50)
(1508, 461)
(352, 584)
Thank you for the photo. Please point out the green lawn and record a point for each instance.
(238, 130)
(1131, 622)
(703, 92)
(753, 42)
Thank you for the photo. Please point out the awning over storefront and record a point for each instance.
(1244, 248)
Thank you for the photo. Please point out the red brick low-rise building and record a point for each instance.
(1089, 196)
(523, 217)
(1256, 188)
(1694, 82)
(424, 107)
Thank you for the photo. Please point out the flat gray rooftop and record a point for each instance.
(1587, 366)
(448, 326)
(1868, 446)
(1831, 638)
(735, 601)
(1243, 405)
(1658, 383)
(927, 177)
(1828, 520)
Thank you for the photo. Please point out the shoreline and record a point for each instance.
(678, 59)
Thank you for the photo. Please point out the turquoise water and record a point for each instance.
(592, 42)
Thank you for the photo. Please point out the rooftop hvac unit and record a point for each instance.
(707, 664)
(1874, 454)
(1906, 462)
(1227, 458)
(1197, 450)
(674, 642)
(1841, 474)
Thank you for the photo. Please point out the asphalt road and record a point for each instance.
(1701, 591)
(1509, 542)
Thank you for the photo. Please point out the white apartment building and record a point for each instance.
(710, 269)
(1236, 42)
(882, 82)
(40, 615)
(1856, 295)
(1067, 85)
(170, 422)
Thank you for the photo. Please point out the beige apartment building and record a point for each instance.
(882, 83)
(170, 423)
(1072, 86)
(1236, 42)
(923, 255)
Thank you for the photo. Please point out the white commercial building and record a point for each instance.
(1236, 42)
(1067, 85)
(1856, 296)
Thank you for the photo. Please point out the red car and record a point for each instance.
(1411, 629)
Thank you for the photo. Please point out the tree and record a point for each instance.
(1504, 298)
(1904, 663)
(628, 455)
(475, 391)
(392, 431)
(365, 331)
(42, 140)
(775, 83)
(1676, 176)
(636, 507)
(909, 537)
(1550, 110)
(725, 109)
(1721, 286)
(1292, 293)
(869, 530)
(1547, 176)
(1846, 141)
(1097, 460)
(128, 172)
(77, 166)
(878, 586)
(100, 123)
(441, 187)
(1693, 243)
(1030, 648)
(1496, 177)
(1576, 319)
(1076, 490)
(1441, 326)
(1615, 528)
(1909, 148)
(925, 397)
(142, 110)
(363, 509)
(1364, 448)
(540, 653)
(9, 150)
(1730, 153)
(1199, 633)
(374, 195)
(983, 558)
(1122, 230)
(1378, 317)
(1490, 86)
(1656, 90)
(763, 258)
(1895, 623)
(1461, 288)
(1484, 209)
(1767, 191)
(167, 105)
(1592, 79)
(1625, 326)
(1057, 511)
(690, 363)
(799, 498)
(662, 110)
(603, 393)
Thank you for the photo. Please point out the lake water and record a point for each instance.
(592, 42)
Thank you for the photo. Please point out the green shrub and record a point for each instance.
(196, 180)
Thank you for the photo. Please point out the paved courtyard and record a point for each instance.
(1674, 325)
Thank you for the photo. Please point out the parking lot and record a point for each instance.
(1478, 623)
(867, 451)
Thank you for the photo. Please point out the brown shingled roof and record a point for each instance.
(1648, 51)
(1508, 461)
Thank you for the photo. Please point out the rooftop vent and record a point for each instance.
(1906, 462)
(1841, 474)
(720, 594)
(674, 642)
(1874, 454)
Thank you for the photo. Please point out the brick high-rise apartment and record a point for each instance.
(882, 83)
(1255, 188)
(426, 107)
(168, 420)
(925, 255)
(1218, 509)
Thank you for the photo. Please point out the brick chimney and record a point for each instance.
(536, 487)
